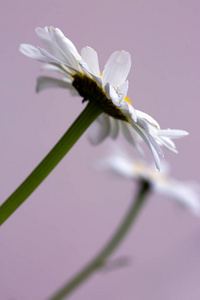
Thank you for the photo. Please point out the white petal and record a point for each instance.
(33, 52)
(65, 43)
(123, 89)
(144, 136)
(47, 37)
(133, 114)
(156, 157)
(50, 57)
(172, 133)
(117, 68)
(112, 94)
(91, 58)
(148, 118)
(145, 126)
(59, 46)
(84, 66)
(128, 110)
(68, 49)
(45, 82)
(41, 55)
(99, 129)
(169, 144)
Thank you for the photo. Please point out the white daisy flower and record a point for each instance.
(81, 74)
(186, 194)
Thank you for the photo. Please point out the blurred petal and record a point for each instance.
(182, 193)
(114, 128)
(186, 194)
(45, 82)
(119, 165)
(99, 129)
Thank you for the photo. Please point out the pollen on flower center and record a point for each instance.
(127, 100)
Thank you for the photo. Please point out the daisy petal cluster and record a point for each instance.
(80, 73)
(186, 194)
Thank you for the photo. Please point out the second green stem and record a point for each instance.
(117, 238)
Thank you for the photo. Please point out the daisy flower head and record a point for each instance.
(80, 73)
(186, 194)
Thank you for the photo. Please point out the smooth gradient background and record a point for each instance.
(76, 209)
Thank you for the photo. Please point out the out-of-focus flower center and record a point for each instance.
(91, 91)
(144, 171)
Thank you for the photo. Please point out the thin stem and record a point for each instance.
(111, 246)
(88, 115)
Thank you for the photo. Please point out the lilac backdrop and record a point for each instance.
(74, 212)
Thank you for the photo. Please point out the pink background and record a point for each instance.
(74, 212)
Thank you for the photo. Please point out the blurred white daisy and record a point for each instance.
(186, 194)
(81, 74)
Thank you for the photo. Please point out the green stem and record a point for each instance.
(117, 238)
(89, 114)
